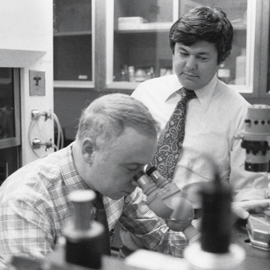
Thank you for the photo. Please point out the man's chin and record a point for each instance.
(189, 83)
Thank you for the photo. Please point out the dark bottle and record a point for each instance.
(215, 250)
(216, 216)
(84, 238)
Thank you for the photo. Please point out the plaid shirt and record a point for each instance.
(34, 209)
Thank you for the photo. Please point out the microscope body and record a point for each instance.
(256, 141)
(165, 199)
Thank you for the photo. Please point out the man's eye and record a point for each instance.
(203, 58)
(132, 168)
(183, 54)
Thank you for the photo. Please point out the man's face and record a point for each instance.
(112, 172)
(195, 65)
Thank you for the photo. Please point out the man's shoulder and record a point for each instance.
(34, 178)
(165, 80)
(231, 94)
(156, 85)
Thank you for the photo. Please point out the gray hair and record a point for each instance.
(105, 119)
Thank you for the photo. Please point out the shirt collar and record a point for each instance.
(204, 94)
(173, 86)
(69, 172)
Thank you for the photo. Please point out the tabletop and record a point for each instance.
(148, 260)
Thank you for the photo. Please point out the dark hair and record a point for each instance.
(204, 23)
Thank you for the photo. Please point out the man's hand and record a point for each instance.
(242, 209)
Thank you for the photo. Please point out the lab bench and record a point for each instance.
(147, 260)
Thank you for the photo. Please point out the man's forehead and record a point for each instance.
(132, 142)
(203, 46)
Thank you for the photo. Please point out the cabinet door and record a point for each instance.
(139, 36)
(137, 32)
(10, 124)
(73, 50)
(266, 40)
(238, 69)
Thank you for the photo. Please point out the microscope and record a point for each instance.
(256, 142)
(165, 199)
(256, 139)
(214, 249)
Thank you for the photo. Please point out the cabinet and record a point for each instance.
(113, 45)
(266, 40)
(140, 45)
(73, 39)
(10, 122)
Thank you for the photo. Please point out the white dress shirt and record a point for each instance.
(213, 120)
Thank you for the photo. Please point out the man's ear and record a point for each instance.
(88, 149)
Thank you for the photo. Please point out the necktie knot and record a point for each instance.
(187, 94)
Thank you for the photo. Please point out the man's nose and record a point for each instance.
(191, 63)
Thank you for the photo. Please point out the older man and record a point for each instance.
(116, 137)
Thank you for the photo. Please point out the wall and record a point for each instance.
(70, 102)
(26, 41)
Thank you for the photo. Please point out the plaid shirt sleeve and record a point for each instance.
(151, 230)
(24, 229)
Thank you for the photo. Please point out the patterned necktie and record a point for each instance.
(102, 218)
(171, 138)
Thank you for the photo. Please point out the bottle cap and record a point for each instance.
(82, 201)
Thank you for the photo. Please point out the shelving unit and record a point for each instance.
(93, 57)
(143, 45)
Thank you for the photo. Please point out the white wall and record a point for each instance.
(26, 41)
